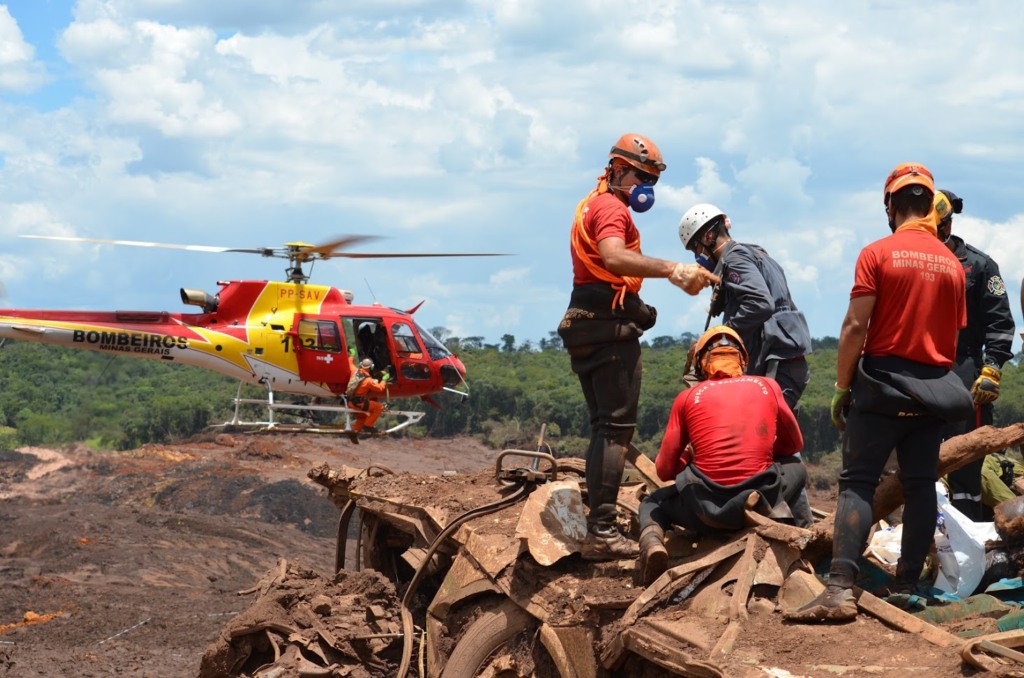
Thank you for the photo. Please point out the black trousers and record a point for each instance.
(609, 374)
(714, 507)
(792, 376)
(867, 444)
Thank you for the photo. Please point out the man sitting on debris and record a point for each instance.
(728, 437)
(363, 391)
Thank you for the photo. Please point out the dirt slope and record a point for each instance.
(135, 559)
(141, 554)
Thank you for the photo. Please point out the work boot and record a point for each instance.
(607, 544)
(835, 603)
(653, 559)
(354, 437)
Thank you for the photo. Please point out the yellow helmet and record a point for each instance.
(942, 208)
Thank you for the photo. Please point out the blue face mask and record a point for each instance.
(705, 261)
(641, 197)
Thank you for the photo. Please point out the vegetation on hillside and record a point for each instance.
(50, 395)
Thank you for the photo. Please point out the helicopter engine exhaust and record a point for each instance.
(199, 298)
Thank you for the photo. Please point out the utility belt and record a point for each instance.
(591, 318)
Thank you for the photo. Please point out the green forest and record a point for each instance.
(54, 396)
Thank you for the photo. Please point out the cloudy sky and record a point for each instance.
(476, 126)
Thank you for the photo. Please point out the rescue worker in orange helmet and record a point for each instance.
(602, 326)
(365, 391)
(894, 387)
(719, 454)
(981, 349)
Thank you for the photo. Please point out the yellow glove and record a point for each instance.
(840, 407)
(387, 375)
(986, 387)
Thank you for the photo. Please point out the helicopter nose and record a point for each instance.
(453, 372)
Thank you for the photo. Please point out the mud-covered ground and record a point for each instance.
(132, 563)
(139, 556)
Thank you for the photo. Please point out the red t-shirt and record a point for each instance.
(605, 217)
(737, 426)
(920, 302)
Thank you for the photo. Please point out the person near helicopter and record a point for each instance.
(364, 392)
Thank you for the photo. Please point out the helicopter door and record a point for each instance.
(412, 361)
(320, 352)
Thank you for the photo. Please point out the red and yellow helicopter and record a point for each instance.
(286, 337)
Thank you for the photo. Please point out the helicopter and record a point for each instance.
(289, 337)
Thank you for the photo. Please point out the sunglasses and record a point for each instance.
(644, 177)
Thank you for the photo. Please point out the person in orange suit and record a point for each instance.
(365, 392)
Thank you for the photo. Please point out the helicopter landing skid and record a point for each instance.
(407, 417)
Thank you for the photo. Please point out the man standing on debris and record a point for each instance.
(754, 299)
(736, 451)
(894, 387)
(981, 349)
(363, 392)
(601, 329)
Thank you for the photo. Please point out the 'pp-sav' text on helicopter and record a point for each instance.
(288, 337)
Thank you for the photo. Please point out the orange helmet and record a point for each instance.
(907, 174)
(717, 337)
(640, 152)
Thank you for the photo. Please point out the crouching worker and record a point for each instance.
(728, 437)
(363, 391)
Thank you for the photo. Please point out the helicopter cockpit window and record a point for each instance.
(435, 348)
(320, 335)
(405, 341)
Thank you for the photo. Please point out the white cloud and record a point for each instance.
(19, 71)
(454, 126)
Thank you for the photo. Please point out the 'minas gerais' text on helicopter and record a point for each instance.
(287, 337)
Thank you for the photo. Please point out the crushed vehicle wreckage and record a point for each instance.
(475, 574)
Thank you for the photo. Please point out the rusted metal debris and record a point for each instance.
(514, 568)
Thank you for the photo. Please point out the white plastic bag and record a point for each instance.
(960, 546)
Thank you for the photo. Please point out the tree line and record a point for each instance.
(51, 396)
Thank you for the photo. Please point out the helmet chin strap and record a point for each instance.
(715, 252)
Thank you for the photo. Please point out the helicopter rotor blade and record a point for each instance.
(140, 243)
(327, 249)
(402, 255)
(299, 251)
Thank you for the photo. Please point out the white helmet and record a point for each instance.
(695, 219)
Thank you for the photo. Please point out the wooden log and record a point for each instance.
(904, 621)
(955, 453)
(752, 555)
(645, 467)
